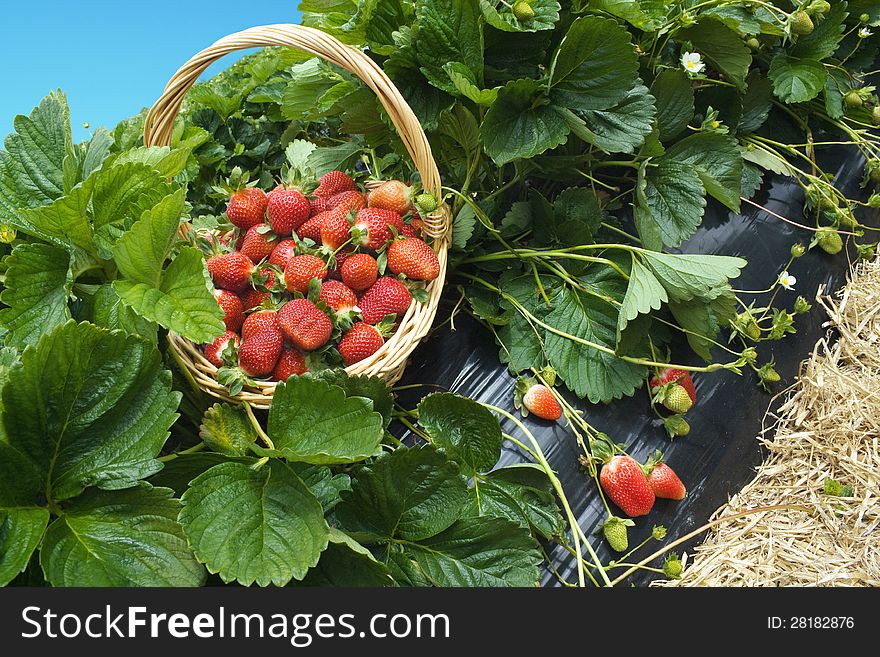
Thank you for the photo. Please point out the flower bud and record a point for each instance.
(797, 250)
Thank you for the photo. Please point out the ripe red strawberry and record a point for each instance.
(255, 296)
(233, 312)
(371, 228)
(413, 258)
(304, 324)
(288, 209)
(338, 296)
(682, 377)
(301, 269)
(625, 484)
(283, 251)
(408, 231)
(291, 362)
(359, 271)
(666, 483)
(334, 231)
(247, 207)
(223, 350)
(318, 205)
(387, 296)
(259, 321)
(259, 353)
(333, 183)
(335, 269)
(259, 242)
(539, 401)
(311, 230)
(230, 271)
(359, 342)
(392, 195)
(348, 201)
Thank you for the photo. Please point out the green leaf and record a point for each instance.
(328, 158)
(718, 162)
(796, 80)
(463, 227)
(621, 128)
(227, 430)
(465, 84)
(449, 31)
(822, 42)
(298, 152)
(586, 370)
(120, 538)
(672, 202)
(501, 16)
(262, 526)
(109, 312)
(674, 97)
(164, 160)
(410, 493)
(373, 388)
(468, 432)
(703, 319)
(519, 126)
(314, 422)
(595, 66)
(739, 19)
(21, 531)
(346, 562)
(183, 302)
(479, 552)
(687, 276)
(756, 104)
(181, 470)
(576, 217)
(644, 14)
(320, 479)
(142, 250)
(309, 81)
(64, 222)
(89, 408)
(37, 287)
(723, 48)
(643, 294)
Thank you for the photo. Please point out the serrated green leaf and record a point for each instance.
(796, 80)
(516, 126)
(298, 152)
(621, 128)
(703, 319)
(181, 470)
(501, 16)
(320, 479)
(449, 31)
(109, 312)
(142, 250)
(227, 430)
(327, 158)
(643, 294)
(767, 160)
(120, 538)
(689, 276)
(674, 98)
(64, 222)
(752, 179)
(463, 227)
(183, 302)
(671, 204)
(756, 104)
(718, 162)
(314, 422)
(465, 84)
(479, 552)
(643, 14)
(89, 408)
(262, 526)
(346, 562)
(723, 48)
(825, 37)
(309, 81)
(739, 19)
(21, 531)
(37, 287)
(373, 388)
(470, 433)
(166, 161)
(576, 217)
(410, 493)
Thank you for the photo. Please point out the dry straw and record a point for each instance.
(828, 427)
(390, 361)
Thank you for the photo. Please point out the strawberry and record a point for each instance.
(625, 484)
(801, 23)
(681, 377)
(290, 363)
(333, 183)
(829, 241)
(233, 312)
(230, 271)
(288, 209)
(347, 200)
(283, 251)
(663, 480)
(301, 269)
(304, 324)
(392, 195)
(359, 271)
(256, 296)
(259, 321)
(247, 207)
(259, 353)
(371, 228)
(311, 230)
(335, 270)
(413, 258)
(223, 350)
(539, 400)
(338, 296)
(360, 342)
(387, 296)
(676, 398)
(334, 231)
(318, 205)
(259, 242)
(614, 531)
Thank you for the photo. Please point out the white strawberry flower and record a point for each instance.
(787, 281)
(864, 33)
(692, 62)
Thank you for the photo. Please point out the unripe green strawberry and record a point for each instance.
(677, 400)
(672, 567)
(523, 11)
(820, 7)
(829, 241)
(676, 426)
(747, 324)
(753, 43)
(614, 531)
(797, 250)
(853, 99)
(426, 202)
(875, 115)
(801, 23)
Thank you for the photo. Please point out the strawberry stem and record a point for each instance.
(256, 425)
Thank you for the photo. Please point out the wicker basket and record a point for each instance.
(390, 361)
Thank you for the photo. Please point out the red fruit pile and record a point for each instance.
(318, 279)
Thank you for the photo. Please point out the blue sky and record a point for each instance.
(112, 58)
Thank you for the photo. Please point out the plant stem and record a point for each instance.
(256, 425)
(190, 450)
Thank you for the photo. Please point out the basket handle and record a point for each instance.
(160, 119)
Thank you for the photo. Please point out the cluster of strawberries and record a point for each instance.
(327, 275)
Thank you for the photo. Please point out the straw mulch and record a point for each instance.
(828, 427)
